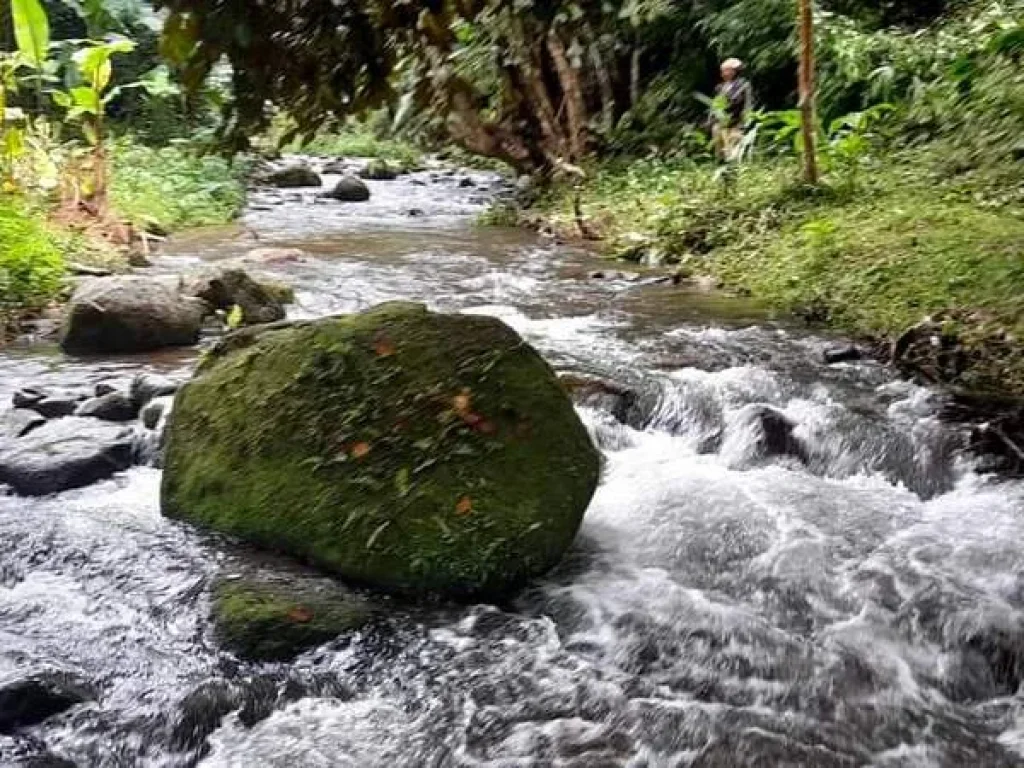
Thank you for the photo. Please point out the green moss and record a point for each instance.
(261, 621)
(410, 451)
(281, 292)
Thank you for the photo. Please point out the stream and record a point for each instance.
(720, 608)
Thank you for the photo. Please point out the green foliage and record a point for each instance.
(31, 31)
(173, 187)
(358, 141)
(31, 258)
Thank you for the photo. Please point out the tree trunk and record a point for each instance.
(572, 94)
(634, 78)
(807, 92)
(604, 80)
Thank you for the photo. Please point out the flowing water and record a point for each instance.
(719, 608)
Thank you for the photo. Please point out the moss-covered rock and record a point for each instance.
(409, 451)
(268, 621)
(379, 170)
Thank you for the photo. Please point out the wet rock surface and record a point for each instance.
(31, 699)
(226, 288)
(349, 189)
(63, 454)
(129, 314)
(113, 406)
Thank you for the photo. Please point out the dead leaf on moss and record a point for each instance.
(300, 615)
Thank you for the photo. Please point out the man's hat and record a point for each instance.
(732, 64)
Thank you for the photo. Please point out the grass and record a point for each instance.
(173, 188)
(32, 259)
(359, 142)
(872, 254)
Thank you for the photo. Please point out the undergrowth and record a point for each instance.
(32, 259)
(174, 188)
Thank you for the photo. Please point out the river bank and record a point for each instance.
(921, 263)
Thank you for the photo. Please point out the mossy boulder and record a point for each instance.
(379, 170)
(405, 450)
(294, 176)
(267, 621)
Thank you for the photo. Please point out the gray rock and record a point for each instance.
(64, 454)
(846, 354)
(148, 386)
(28, 700)
(114, 406)
(154, 411)
(52, 406)
(294, 176)
(19, 422)
(129, 314)
(28, 397)
(227, 288)
(774, 433)
(350, 190)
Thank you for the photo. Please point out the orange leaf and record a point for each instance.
(300, 614)
(383, 347)
(360, 450)
(464, 507)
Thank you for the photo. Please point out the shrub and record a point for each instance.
(31, 258)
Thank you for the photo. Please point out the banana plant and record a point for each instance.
(32, 35)
(87, 104)
(12, 131)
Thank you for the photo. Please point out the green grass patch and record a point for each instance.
(173, 187)
(32, 259)
(362, 143)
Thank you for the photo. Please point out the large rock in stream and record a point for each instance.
(130, 314)
(65, 454)
(400, 449)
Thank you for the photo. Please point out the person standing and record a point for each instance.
(727, 124)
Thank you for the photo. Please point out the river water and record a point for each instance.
(719, 608)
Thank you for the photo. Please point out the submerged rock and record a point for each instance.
(129, 314)
(350, 190)
(379, 170)
(30, 699)
(115, 406)
(405, 450)
(225, 289)
(774, 433)
(844, 354)
(268, 621)
(64, 454)
(602, 394)
(294, 176)
(337, 168)
(274, 256)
